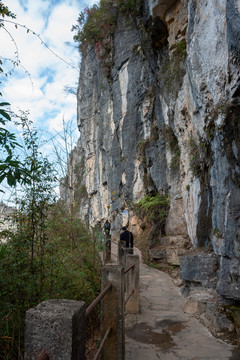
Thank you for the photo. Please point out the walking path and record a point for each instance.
(163, 331)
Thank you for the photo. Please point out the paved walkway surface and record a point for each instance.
(163, 331)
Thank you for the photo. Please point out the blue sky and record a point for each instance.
(38, 84)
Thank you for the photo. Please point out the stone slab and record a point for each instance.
(57, 328)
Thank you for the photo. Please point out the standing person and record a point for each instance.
(127, 237)
(107, 227)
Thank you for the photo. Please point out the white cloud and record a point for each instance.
(49, 74)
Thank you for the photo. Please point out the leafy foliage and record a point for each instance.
(96, 25)
(154, 207)
(199, 156)
(173, 67)
(172, 142)
(4, 11)
(130, 7)
(11, 168)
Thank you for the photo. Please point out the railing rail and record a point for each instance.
(128, 268)
(98, 299)
(96, 356)
(128, 297)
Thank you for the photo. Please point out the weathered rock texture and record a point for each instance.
(56, 329)
(162, 115)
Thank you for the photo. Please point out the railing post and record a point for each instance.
(56, 329)
(107, 250)
(132, 283)
(112, 313)
(121, 253)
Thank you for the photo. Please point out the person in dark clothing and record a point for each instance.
(107, 227)
(127, 238)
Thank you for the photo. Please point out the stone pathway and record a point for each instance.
(163, 331)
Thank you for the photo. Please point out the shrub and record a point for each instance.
(171, 141)
(173, 67)
(96, 25)
(199, 156)
(154, 207)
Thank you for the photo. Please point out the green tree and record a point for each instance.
(11, 168)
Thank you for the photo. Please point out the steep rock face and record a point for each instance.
(161, 114)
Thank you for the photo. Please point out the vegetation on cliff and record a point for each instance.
(96, 25)
(154, 207)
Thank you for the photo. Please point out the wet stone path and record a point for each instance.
(163, 331)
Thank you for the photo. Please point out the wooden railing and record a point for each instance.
(120, 294)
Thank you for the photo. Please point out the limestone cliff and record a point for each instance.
(160, 114)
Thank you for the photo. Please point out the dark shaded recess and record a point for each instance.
(231, 139)
(191, 20)
(236, 93)
(151, 188)
(204, 225)
(233, 33)
(233, 41)
(158, 31)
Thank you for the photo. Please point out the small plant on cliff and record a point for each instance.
(143, 143)
(217, 232)
(95, 27)
(199, 156)
(172, 69)
(129, 7)
(233, 312)
(179, 50)
(224, 109)
(172, 142)
(154, 207)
